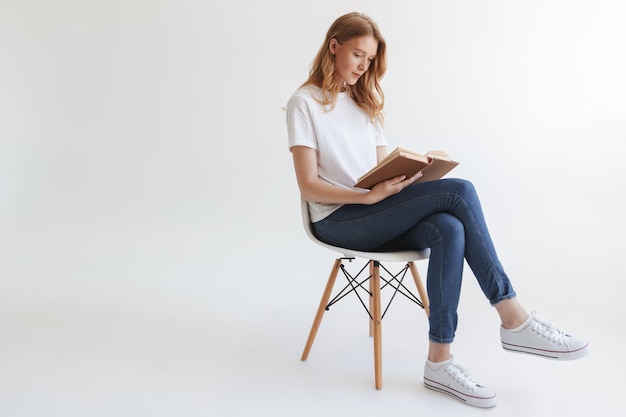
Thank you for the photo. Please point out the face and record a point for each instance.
(353, 58)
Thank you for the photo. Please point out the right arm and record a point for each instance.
(312, 188)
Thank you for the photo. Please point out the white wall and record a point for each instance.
(143, 150)
(152, 260)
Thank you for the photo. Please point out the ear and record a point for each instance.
(332, 46)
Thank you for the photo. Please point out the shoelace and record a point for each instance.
(460, 374)
(547, 330)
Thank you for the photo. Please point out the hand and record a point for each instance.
(390, 187)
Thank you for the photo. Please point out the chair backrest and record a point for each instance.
(397, 256)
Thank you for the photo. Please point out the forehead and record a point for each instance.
(367, 44)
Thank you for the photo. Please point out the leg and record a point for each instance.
(371, 227)
(439, 352)
(322, 307)
(377, 322)
(444, 235)
(511, 313)
(420, 288)
(371, 303)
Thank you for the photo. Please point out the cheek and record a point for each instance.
(345, 62)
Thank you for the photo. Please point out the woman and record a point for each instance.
(335, 135)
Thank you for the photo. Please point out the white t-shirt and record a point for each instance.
(345, 139)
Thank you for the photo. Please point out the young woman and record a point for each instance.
(335, 134)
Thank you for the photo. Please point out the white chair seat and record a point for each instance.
(396, 256)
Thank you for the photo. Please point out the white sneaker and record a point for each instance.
(452, 379)
(538, 337)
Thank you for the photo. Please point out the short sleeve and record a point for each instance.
(379, 134)
(300, 123)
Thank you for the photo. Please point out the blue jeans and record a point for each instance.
(445, 216)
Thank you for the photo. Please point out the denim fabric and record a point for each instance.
(445, 216)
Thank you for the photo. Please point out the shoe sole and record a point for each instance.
(467, 399)
(549, 354)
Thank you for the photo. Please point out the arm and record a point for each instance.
(381, 153)
(312, 188)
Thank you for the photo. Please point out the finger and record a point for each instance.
(397, 180)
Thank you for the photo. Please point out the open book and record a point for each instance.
(434, 165)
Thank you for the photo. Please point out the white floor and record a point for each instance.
(117, 324)
(143, 273)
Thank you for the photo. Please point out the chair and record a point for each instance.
(374, 261)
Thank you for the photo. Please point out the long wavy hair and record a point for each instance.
(367, 92)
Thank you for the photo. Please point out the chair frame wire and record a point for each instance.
(354, 285)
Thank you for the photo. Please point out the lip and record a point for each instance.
(357, 76)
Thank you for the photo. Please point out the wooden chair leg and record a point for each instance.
(377, 323)
(321, 309)
(371, 300)
(420, 288)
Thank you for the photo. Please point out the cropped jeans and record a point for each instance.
(443, 215)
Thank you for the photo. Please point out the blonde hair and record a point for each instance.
(367, 92)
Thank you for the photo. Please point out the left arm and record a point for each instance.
(381, 153)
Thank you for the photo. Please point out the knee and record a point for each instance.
(446, 227)
(463, 189)
(451, 227)
(462, 186)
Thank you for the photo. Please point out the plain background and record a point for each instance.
(152, 260)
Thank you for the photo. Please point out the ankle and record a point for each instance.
(438, 359)
(512, 313)
(514, 323)
(438, 352)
